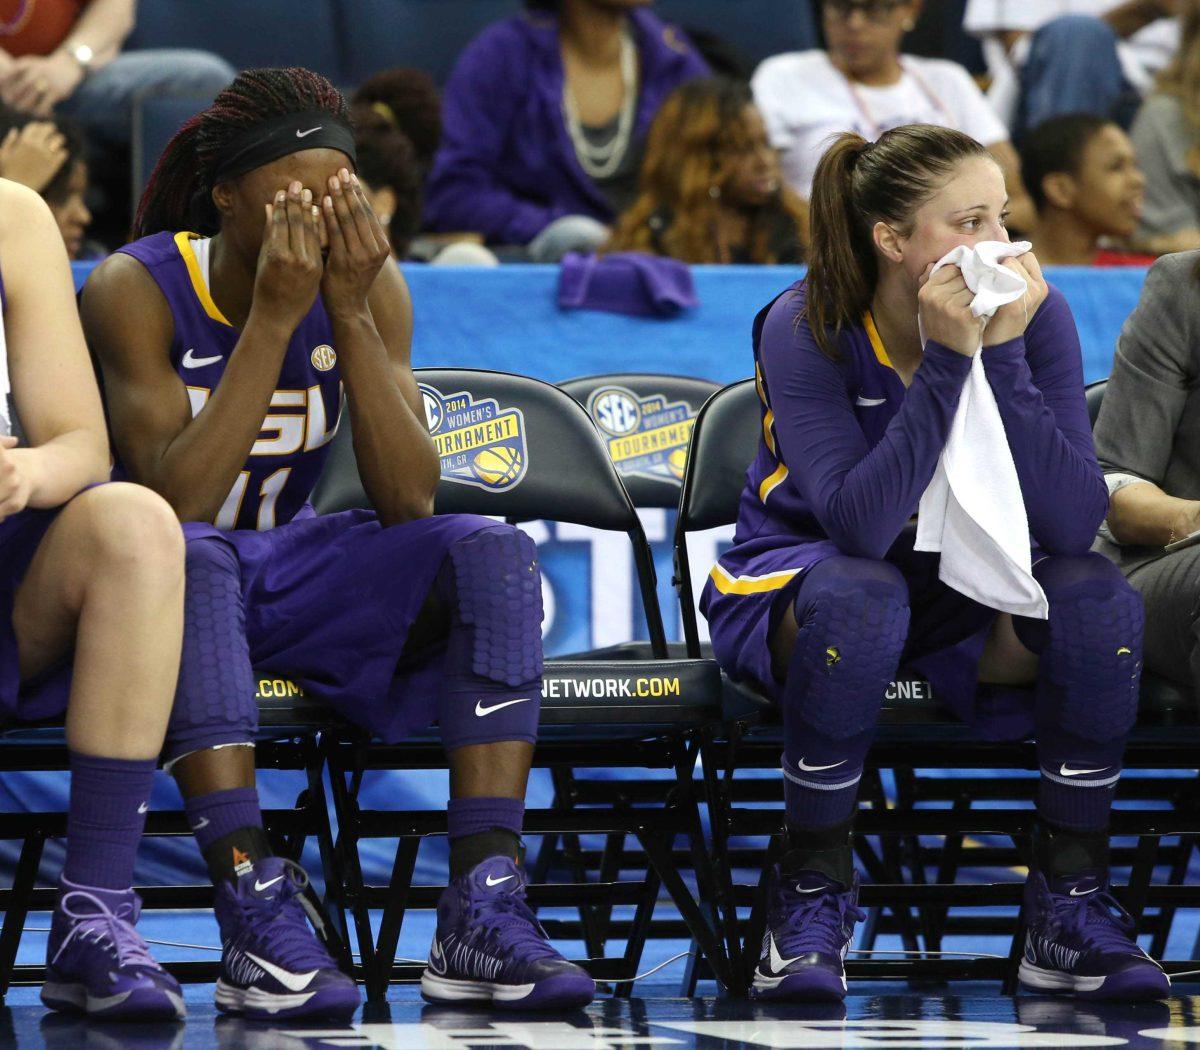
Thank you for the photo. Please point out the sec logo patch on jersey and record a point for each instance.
(323, 357)
(479, 443)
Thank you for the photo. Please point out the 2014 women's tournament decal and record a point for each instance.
(479, 443)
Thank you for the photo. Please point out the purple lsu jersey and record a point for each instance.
(772, 505)
(286, 460)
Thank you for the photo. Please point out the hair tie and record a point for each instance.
(386, 111)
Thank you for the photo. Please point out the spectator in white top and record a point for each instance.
(864, 84)
(1051, 57)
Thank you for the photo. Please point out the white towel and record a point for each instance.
(972, 512)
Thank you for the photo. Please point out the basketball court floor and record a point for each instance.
(893, 1016)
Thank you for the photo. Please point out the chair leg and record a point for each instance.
(18, 909)
(756, 925)
(635, 946)
(658, 849)
(392, 918)
(334, 900)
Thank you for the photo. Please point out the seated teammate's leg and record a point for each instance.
(489, 946)
(272, 964)
(836, 649)
(1090, 656)
(106, 580)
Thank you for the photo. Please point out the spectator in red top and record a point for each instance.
(65, 55)
(1083, 177)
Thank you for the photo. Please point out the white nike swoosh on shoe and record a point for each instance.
(1066, 771)
(815, 889)
(819, 769)
(774, 960)
(482, 711)
(260, 886)
(497, 882)
(1075, 891)
(304, 134)
(144, 807)
(870, 402)
(201, 824)
(293, 982)
(190, 360)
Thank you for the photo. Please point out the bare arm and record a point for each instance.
(1141, 514)
(193, 463)
(53, 384)
(371, 313)
(103, 26)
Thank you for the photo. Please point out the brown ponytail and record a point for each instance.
(857, 184)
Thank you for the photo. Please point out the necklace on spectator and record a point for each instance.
(871, 128)
(603, 161)
(14, 25)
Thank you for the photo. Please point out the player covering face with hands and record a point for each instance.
(823, 598)
(258, 290)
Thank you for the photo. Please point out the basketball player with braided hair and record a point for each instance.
(258, 288)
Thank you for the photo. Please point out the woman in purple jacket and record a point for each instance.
(545, 117)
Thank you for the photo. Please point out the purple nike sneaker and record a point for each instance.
(1081, 941)
(273, 966)
(810, 925)
(490, 948)
(97, 963)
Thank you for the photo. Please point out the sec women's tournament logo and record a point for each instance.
(647, 436)
(478, 442)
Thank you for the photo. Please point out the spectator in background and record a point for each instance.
(49, 157)
(862, 83)
(1166, 136)
(710, 188)
(408, 100)
(65, 56)
(1084, 179)
(1050, 57)
(544, 121)
(397, 119)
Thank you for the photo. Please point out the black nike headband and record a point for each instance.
(282, 136)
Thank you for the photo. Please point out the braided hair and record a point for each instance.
(179, 193)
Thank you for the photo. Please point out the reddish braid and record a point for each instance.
(179, 193)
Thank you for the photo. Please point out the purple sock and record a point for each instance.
(817, 800)
(1080, 801)
(213, 816)
(109, 801)
(471, 816)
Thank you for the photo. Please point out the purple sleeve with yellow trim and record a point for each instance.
(1038, 383)
(861, 495)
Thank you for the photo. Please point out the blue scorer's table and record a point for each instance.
(506, 318)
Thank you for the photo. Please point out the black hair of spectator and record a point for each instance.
(1056, 145)
(408, 100)
(387, 159)
(179, 193)
(55, 191)
(543, 5)
(723, 58)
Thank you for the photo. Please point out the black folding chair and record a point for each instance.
(525, 450)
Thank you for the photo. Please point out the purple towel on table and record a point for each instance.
(626, 283)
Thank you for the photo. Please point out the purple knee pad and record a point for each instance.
(215, 698)
(493, 678)
(1090, 654)
(853, 617)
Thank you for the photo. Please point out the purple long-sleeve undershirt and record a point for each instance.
(862, 494)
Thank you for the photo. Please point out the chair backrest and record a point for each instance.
(1094, 393)
(724, 443)
(248, 35)
(646, 421)
(756, 28)
(514, 448)
(426, 34)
